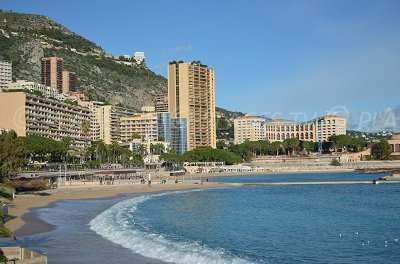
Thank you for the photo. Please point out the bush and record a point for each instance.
(29, 185)
(335, 162)
(367, 157)
(5, 232)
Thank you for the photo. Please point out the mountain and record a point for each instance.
(25, 38)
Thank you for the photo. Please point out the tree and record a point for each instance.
(142, 150)
(157, 149)
(382, 150)
(115, 151)
(335, 162)
(101, 150)
(136, 136)
(204, 154)
(276, 146)
(85, 128)
(307, 146)
(45, 149)
(13, 154)
(292, 144)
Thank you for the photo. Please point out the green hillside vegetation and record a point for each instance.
(25, 38)
(204, 154)
(224, 122)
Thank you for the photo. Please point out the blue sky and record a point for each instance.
(272, 57)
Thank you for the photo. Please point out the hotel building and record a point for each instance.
(249, 128)
(52, 72)
(68, 82)
(258, 128)
(5, 74)
(109, 118)
(191, 96)
(28, 114)
(145, 125)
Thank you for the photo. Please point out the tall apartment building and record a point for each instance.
(94, 117)
(280, 129)
(28, 114)
(68, 81)
(109, 117)
(249, 128)
(161, 103)
(33, 87)
(329, 125)
(145, 125)
(52, 68)
(191, 95)
(5, 74)
(179, 135)
(164, 126)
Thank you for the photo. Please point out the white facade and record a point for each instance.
(48, 92)
(139, 56)
(5, 74)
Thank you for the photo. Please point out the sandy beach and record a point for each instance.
(25, 222)
(21, 205)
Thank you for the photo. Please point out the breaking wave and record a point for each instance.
(117, 224)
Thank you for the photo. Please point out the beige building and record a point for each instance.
(94, 117)
(280, 129)
(109, 118)
(52, 68)
(161, 103)
(191, 95)
(249, 128)
(68, 82)
(5, 74)
(329, 125)
(394, 143)
(145, 125)
(28, 114)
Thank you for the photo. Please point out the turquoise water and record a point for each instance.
(260, 224)
(299, 177)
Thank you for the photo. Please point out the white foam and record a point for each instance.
(116, 225)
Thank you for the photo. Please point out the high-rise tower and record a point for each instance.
(191, 96)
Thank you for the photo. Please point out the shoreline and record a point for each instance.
(27, 222)
(246, 173)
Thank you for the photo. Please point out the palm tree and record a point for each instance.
(101, 150)
(142, 150)
(115, 150)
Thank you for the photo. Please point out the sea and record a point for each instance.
(249, 224)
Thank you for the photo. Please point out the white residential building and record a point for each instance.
(46, 91)
(139, 57)
(5, 74)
